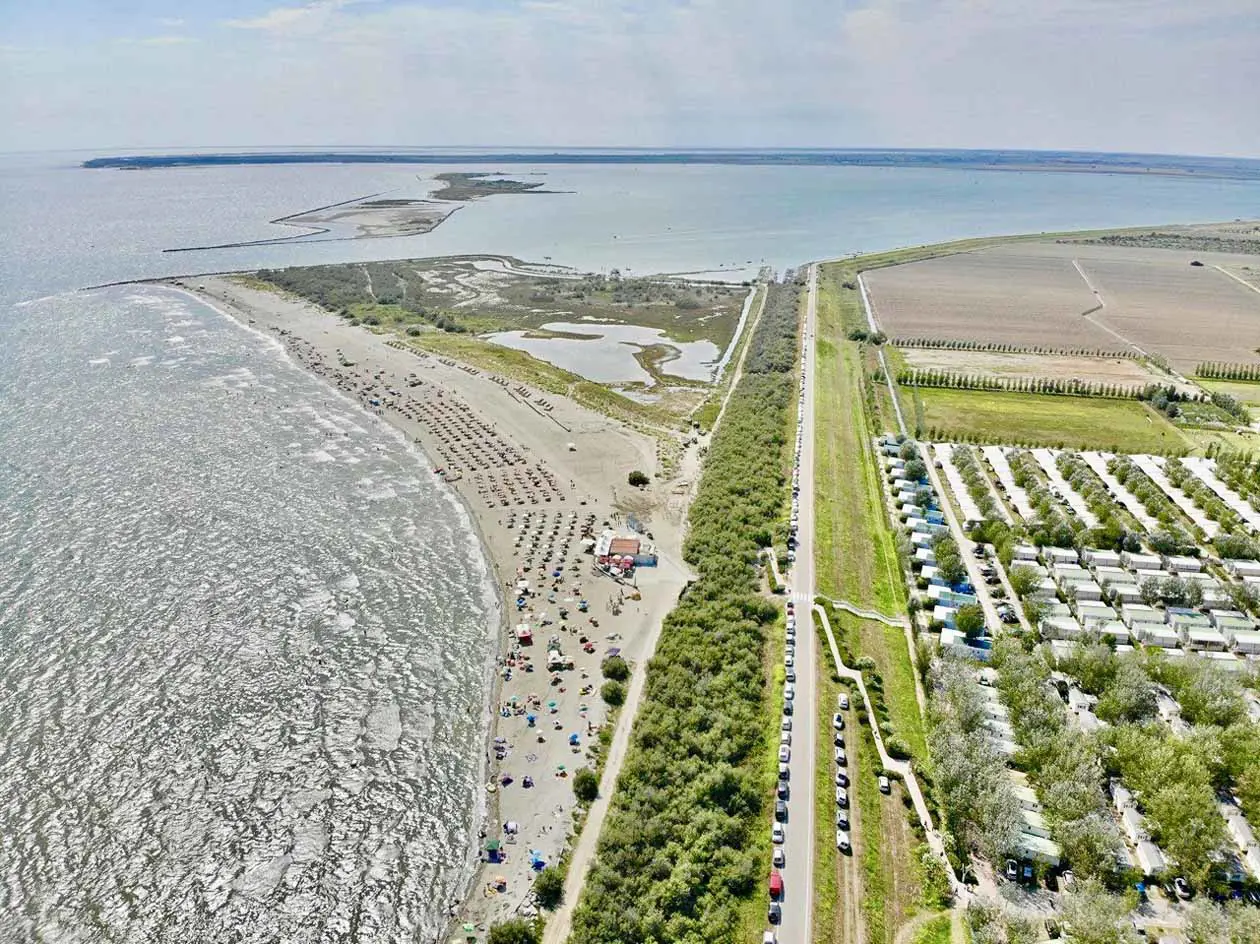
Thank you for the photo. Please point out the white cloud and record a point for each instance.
(309, 17)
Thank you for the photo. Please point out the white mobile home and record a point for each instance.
(1243, 568)
(1206, 639)
(1181, 564)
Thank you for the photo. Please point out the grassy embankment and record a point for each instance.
(857, 562)
(686, 847)
(1248, 394)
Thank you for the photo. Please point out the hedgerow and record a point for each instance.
(677, 855)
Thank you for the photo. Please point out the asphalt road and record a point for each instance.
(798, 871)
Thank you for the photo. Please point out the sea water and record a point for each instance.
(243, 632)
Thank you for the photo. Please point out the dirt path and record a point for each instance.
(561, 922)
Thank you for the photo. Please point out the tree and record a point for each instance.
(916, 471)
(1130, 696)
(549, 887)
(1205, 923)
(1024, 579)
(638, 479)
(1094, 916)
(970, 620)
(515, 931)
(586, 785)
(614, 693)
(615, 668)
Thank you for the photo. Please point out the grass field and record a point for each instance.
(886, 645)
(1072, 422)
(938, 930)
(856, 559)
(1247, 394)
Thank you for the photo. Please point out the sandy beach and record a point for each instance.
(541, 477)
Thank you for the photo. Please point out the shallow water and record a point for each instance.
(606, 355)
(246, 640)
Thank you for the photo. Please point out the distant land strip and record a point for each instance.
(1067, 161)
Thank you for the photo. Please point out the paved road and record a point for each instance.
(798, 871)
(966, 548)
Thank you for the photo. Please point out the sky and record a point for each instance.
(1108, 75)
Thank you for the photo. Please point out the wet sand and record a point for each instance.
(540, 476)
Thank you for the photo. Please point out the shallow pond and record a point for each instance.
(606, 352)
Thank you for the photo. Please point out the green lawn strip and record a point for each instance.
(871, 808)
(886, 647)
(938, 930)
(1070, 422)
(826, 855)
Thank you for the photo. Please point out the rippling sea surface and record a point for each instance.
(244, 635)
(245, 643)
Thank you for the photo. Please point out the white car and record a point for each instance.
(777, 835)
(779, 858)
(842, 797)
(842, 841)
(789, 691)
(785, 754)
(843, 701)
(837, 721)
(785, 738)
(786, 724)
(841, 757)
(789, 659)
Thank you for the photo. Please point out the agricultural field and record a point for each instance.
(1078, 295)
(1127, 371)
(1076, 422)
(1008, 294)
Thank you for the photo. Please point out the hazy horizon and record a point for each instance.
(1129, 76)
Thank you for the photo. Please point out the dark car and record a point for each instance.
(782, 790)
(780, 810)
(775, 914)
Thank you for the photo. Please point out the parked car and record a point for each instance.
(781, 790)
(789, 674)
(842, 819)
(780, 810)
(789, 659)
(769, 938)
(842, 798)
(842, 779)
(1012, 870)
(843, 701)
(775, 914)
(837, 721)
(841, 757)
(785, 772)
(777, 835)
(786, 723)
(838, 740)
(884, 785)
(776, 884)
(842, 841)
(785, 737)
(779, 858)
(1182, 888)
